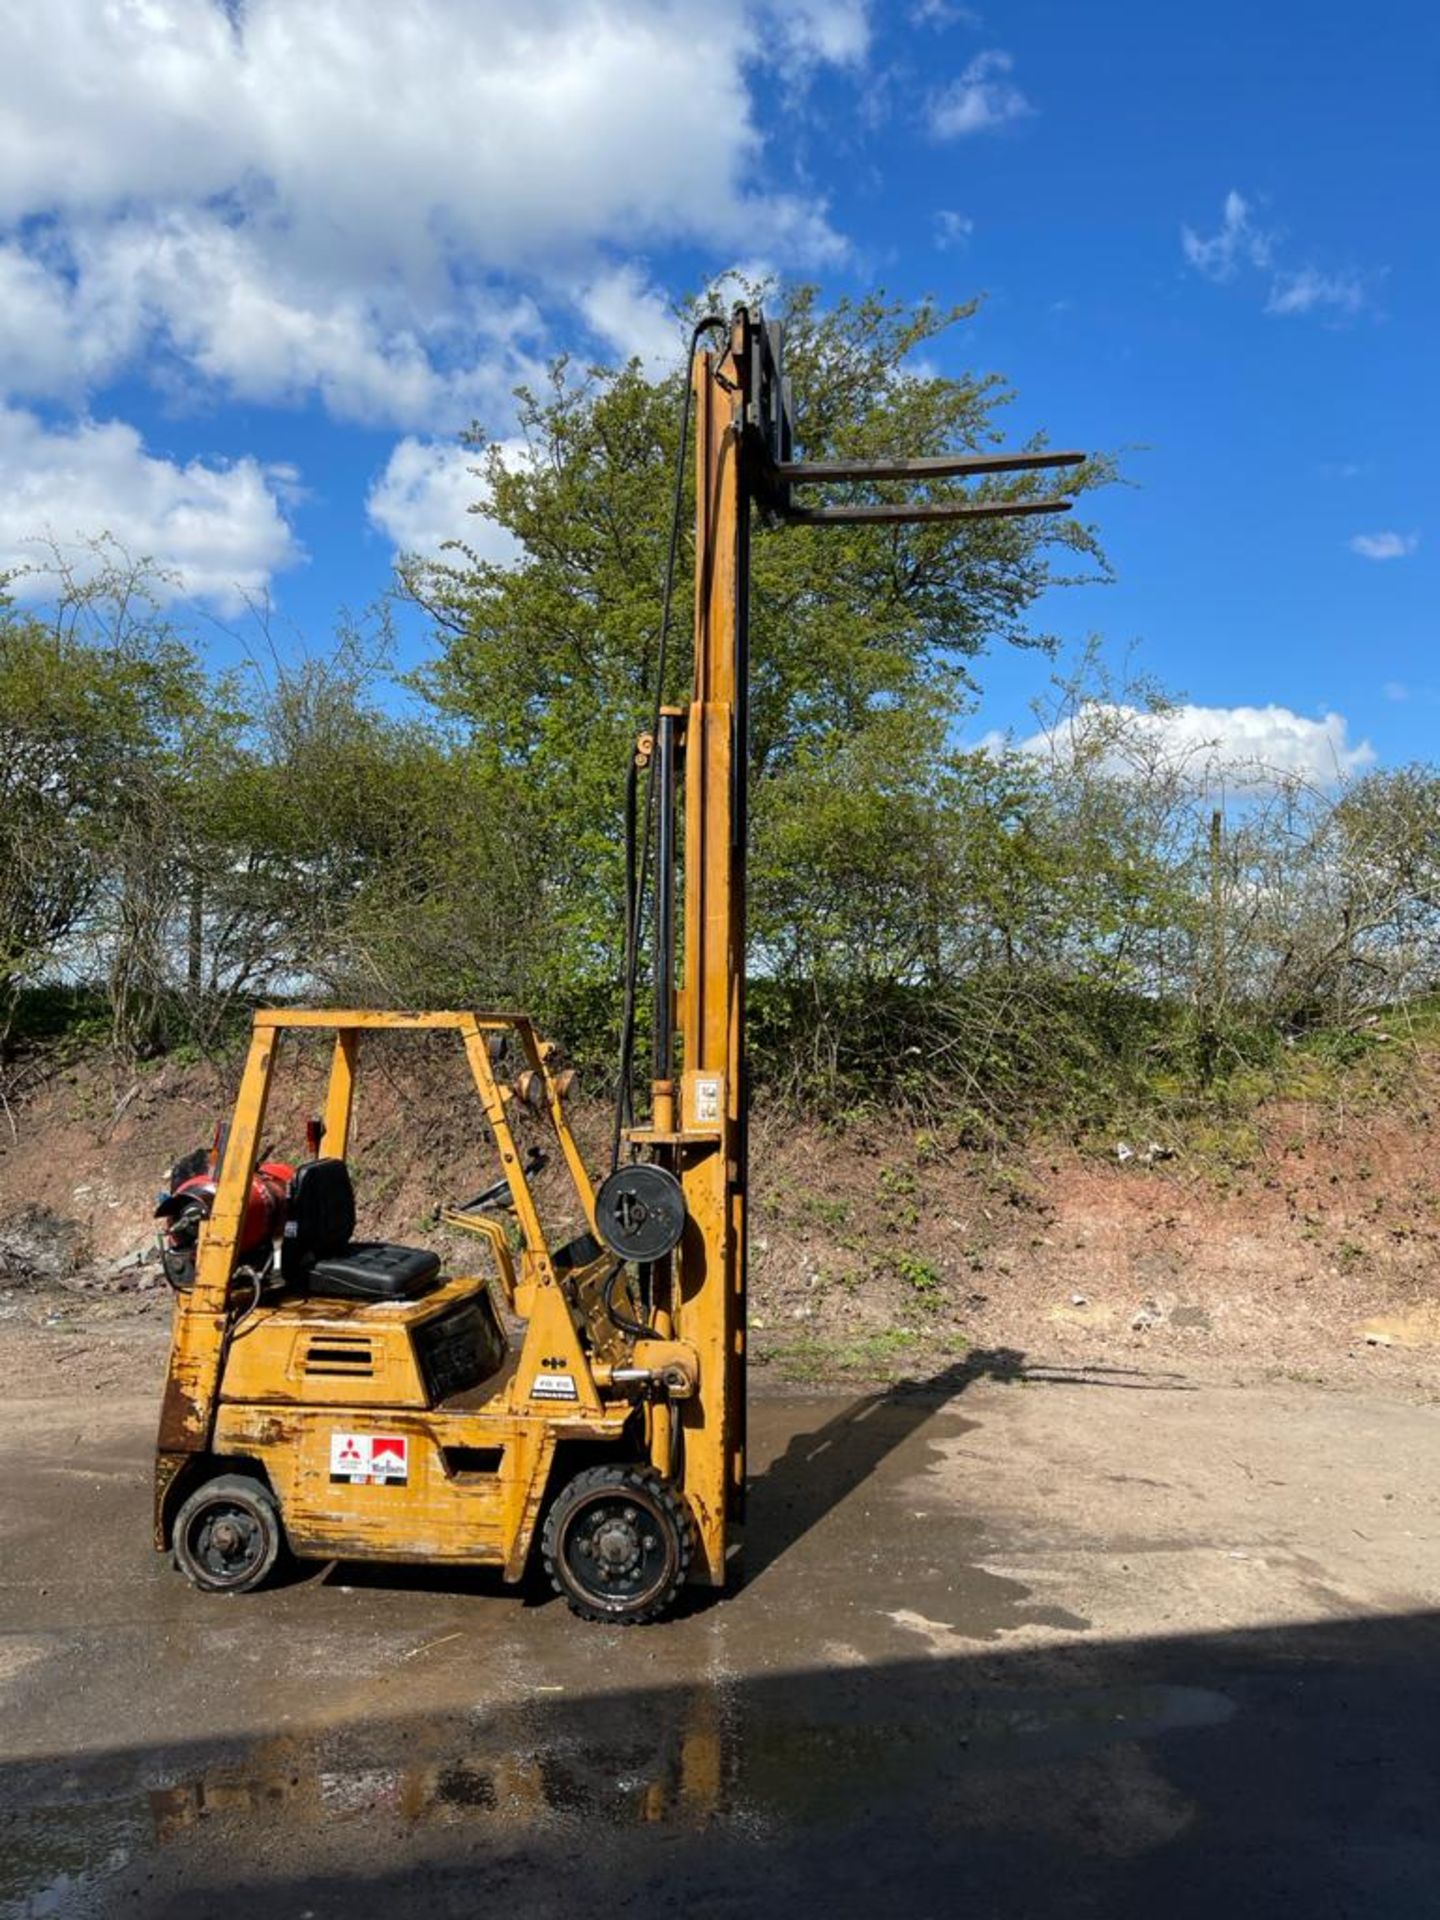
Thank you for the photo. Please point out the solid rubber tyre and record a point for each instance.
(617, 1544)
(227, 1535)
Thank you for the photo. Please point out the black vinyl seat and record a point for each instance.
(375, 1270)
(322, 1256)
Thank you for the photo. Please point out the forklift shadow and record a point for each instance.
(821, 1467)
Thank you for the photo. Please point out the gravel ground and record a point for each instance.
(1066, 1639)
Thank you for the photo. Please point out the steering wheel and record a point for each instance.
(499, 1195)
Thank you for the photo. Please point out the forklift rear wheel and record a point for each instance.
(227, 1535)
(617, 1544)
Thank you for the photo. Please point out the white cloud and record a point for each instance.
(1307, 288)
(633, 317)
(48, 343)
(426, 494)
(1239, 244)
(981, 99)
(258, 328)
(943, 13)
(216, 528)
(514, 130)
(1241, 747)
(952, 229)
(1237, 241)
(304, 197)
(1384, 546)
(812, 32)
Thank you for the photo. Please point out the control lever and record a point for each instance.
(499, 1195)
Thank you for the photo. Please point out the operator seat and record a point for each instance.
(322, 1256)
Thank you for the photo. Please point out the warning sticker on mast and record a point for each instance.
(369, 1459)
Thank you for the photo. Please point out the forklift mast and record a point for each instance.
(744, 463)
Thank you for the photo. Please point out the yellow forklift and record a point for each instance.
(345, 1399)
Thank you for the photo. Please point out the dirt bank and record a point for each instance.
(879, 1251)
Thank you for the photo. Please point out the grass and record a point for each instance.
(889, 1355)
(922, 1276)
(821, 1208)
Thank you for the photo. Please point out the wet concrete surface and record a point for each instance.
(1085, 1645)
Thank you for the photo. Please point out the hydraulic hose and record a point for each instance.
(624, 1102)
(637, 1329)
(637, 869)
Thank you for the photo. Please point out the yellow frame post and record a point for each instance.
(711, 1149)
(197, 1345)
(340, 1095)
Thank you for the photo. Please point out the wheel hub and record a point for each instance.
(229, 1542)
(617, 1545)
(614, 1548)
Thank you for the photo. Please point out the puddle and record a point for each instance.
(51, 1857)
(800, 1752)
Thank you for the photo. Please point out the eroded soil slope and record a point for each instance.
(878, 1251)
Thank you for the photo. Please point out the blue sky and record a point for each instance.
(259, 262)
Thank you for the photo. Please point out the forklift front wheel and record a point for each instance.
(617, 1544)
(227, 1535)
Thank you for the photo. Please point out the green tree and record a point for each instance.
(548, 663)
(95, 701)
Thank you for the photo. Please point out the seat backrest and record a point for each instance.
(321, 1216)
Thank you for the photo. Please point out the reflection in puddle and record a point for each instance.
(616, 1785)
(49, 1856)
(789, 1755)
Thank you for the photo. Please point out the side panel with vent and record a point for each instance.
(311, 1363)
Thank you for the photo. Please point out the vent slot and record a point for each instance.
(338, 1356)
(464, 1463)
